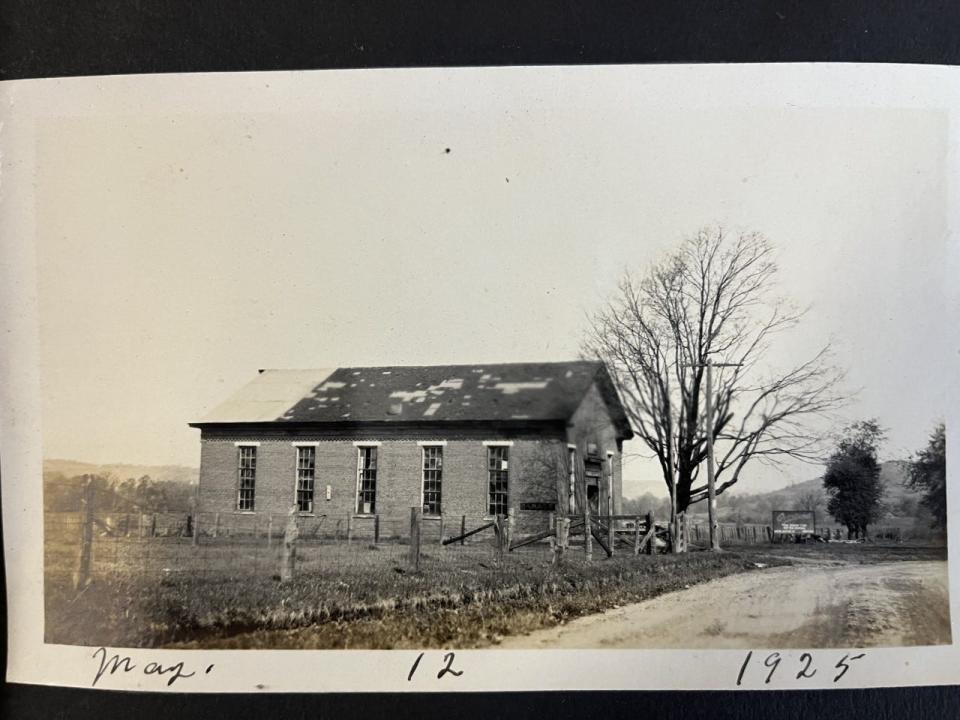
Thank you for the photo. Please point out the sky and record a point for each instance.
(449, 217)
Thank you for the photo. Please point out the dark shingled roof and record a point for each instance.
(436, 394)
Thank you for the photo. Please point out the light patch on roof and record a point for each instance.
(419, 395)
(512, 388)
(332, 385)
(409, 395)
(269, 396)
(568, 373)
(432, 409)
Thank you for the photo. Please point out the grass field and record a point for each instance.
(223, 593)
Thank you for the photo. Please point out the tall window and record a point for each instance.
(497, 457)
(247, 477)
(367, 480)
(306, 474)
(432, 476)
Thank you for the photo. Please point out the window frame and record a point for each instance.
(299, 447)
(504, 448)
(373, 449)
(424, 447)
(239, 504)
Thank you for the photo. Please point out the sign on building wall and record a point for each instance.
(794, 522)
(544, 506)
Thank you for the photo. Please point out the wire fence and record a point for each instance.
(91, 544)
(97, 544)
(167, 546)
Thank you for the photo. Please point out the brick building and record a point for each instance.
(522, 439)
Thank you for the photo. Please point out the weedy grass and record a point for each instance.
(225, 593)
(447, 603)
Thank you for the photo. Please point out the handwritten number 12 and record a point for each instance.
(447, 668)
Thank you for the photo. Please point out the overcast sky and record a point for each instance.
(443, 218)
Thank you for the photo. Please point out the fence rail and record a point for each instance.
(94, 543)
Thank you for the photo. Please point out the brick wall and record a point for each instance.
(399, 478)
(537, 470)
(591, 423)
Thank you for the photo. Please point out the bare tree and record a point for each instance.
(811, 500)
(712, 299)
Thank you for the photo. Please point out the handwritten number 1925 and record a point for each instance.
(807, 670)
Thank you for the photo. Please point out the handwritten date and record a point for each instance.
(124, 664)
(805, 667)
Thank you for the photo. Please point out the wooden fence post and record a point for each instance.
(153, 525)
(587, 534)
(288, 558)
(195, 540)
(636, 535)
(463, 528)
(216, 525)
(611, 535)
(440, 539)
(499, 532)
(269, 529)
(349, 528)
(140, 524)
(81, 576)
(376, 528)
(557, 541)
(651, 527)
(415, 538)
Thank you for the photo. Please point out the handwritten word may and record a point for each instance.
(115, 663)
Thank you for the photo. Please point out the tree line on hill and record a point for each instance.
(142, 494)
(856, 489)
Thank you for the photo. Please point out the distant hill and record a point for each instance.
(119, 487)
(902, 506)
(893, 474)
(118, 472)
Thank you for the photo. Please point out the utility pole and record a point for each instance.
(711, 480)
(674, 522)
(711, 474)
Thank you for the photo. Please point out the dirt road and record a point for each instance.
(888, 604)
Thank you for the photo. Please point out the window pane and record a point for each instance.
(497, 469)
(432, 479)
(247, 477)
(367, 480)
(306, 470)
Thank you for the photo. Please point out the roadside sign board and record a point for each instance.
(794, 522)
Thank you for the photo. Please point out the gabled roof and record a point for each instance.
(436, 394)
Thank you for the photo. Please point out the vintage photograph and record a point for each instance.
(511, 359)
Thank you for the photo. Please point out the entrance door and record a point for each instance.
(593, 498)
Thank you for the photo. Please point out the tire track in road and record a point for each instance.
(886, 604)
